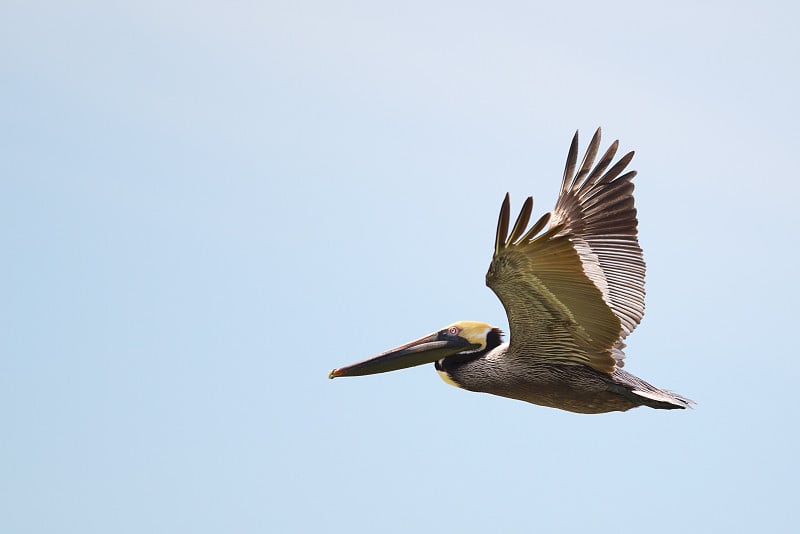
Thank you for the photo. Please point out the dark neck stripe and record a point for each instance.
(493, 340)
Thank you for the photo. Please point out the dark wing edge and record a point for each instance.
(595, 210)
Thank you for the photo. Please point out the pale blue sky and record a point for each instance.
(206, 206)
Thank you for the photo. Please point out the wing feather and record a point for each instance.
(522, 220)
(600, 212)
(575, 291)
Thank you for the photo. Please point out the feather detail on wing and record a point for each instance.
(597, 213)
(573, 292)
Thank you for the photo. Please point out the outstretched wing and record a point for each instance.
(574, 291)
(596, 210)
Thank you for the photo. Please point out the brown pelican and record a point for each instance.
(572, 292)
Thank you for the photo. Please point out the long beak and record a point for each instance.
(424, 350)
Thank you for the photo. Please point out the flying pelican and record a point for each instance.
(572, 293)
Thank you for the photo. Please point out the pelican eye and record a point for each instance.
(453, 331)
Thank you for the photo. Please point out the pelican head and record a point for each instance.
(463, 337)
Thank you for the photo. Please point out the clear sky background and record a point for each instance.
(206, 206)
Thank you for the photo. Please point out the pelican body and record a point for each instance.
(572, 285)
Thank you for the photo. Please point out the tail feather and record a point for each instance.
(649, 395)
